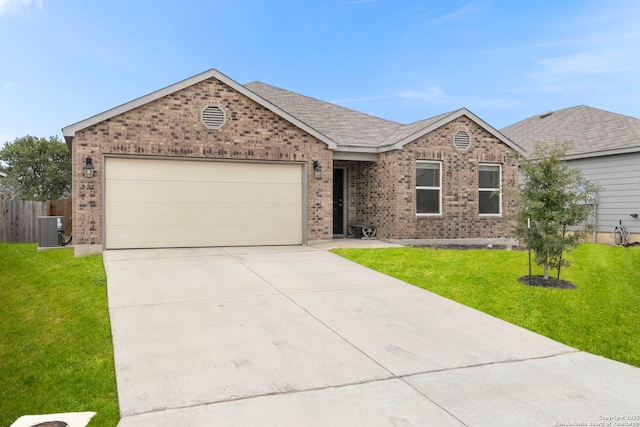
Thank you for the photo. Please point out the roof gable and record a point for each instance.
(70, 131)
(594, 132)
(416, 130)
(342, 129)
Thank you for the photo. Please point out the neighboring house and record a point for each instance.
(210, 162)
(606, 147)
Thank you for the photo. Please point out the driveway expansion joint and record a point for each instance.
(319, 320)
(498, 362)
(391, 377)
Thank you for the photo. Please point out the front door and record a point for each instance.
(338, 201)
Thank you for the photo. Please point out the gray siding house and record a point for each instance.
(606, 147)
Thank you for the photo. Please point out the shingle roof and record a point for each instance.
(344, 126)
(353, 129)
(593, 131)
(340, 128)
(405, 131)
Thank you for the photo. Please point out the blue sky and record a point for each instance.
(62, 61)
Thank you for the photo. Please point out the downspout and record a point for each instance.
(595, 220)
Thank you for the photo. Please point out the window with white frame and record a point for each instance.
(428, 188)
(490, 184)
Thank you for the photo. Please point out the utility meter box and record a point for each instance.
(49, 230)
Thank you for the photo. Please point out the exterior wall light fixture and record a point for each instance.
(88, 168)
(317, 169)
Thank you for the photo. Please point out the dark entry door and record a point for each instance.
(338, 201)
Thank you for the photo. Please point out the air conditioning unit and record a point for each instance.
(50, 231)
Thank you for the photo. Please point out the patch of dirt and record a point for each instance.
(551, 282)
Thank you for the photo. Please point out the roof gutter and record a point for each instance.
(603, 153)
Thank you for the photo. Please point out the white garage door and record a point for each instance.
(153, 203)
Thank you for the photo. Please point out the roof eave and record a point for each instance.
(70, 131)
(603, 153)
(357, 149)
(356, 155)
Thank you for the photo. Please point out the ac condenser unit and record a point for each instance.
(49, 230)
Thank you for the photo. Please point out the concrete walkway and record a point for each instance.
(297, 336)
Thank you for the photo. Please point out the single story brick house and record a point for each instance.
(211, 162)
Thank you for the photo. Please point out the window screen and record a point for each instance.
(428, 188)
(490, 183)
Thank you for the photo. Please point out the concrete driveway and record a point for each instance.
(297, 336)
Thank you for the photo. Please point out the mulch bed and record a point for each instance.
(551, 282)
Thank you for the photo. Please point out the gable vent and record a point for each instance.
(213, 116)
(461, 140)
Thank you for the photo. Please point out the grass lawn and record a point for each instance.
(601, 316)
(56, 353)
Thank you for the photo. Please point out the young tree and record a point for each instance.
(36, 168)
(551, 201)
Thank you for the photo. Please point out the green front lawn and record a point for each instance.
(55, 341)
(601, 316)
(56, 353)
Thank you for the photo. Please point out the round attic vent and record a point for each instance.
(213, 116)
(462, 140)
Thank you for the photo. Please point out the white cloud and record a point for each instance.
(587, 57)
(535, 46)
(458, 13)
(434, 95)
(576, 64)
(9, 85)
(431, 94)
(10, 6)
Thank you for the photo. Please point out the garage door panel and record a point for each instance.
(201, 191)
(194, 171)
(228, 213)
(165, 203)
(193, 237)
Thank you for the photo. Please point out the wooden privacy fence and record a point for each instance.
(61, 207)
(19, 218)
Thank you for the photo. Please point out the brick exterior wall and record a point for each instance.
(385, 190)
(378, 193)
(170, 127)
